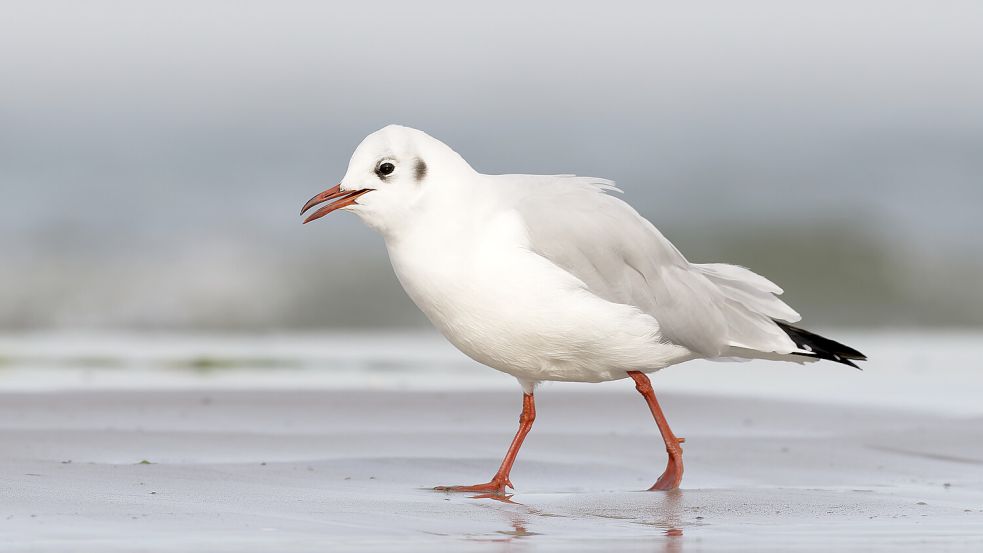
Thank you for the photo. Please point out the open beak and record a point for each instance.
(343, 198)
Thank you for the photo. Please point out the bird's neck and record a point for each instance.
(447, 216)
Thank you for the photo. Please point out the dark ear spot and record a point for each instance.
(421, 169)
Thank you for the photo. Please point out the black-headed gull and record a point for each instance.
(548, 277)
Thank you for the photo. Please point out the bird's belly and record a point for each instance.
(533, 320)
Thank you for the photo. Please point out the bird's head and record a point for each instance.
(390, 176)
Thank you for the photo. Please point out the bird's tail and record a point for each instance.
(814, 345)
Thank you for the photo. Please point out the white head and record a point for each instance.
(392, 172)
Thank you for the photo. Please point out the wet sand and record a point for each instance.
(330, 470)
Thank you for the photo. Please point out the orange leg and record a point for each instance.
(673, 475)
(501, 478)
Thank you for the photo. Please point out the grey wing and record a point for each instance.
(623, 258)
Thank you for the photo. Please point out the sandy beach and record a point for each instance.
(314, 470)
(216, 467)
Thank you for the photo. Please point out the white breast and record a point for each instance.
(515, 311)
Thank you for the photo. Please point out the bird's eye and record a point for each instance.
(386, 168)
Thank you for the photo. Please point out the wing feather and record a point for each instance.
(623, 258)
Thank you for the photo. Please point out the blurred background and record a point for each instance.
(154, 155)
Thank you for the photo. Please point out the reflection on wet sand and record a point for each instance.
(672, 507)
(519, 529)
(360, 485)
(664, 512)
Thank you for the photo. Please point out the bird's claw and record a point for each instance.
(495, 487)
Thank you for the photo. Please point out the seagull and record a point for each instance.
(552, 278)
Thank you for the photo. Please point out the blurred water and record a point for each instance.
(922, 371)
(153, 155)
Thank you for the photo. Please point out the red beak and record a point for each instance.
(343, 198)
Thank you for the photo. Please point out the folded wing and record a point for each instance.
(621, 257)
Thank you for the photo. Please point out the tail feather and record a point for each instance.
(817, 346)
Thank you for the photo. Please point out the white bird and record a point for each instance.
(549, 277)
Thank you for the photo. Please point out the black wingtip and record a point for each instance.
(821, 347)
